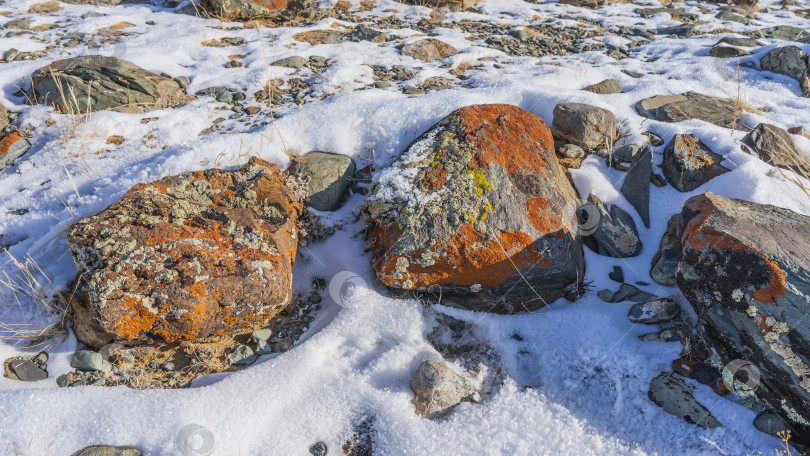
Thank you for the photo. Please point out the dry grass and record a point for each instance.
(28, 285)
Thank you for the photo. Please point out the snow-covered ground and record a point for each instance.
(576, 383)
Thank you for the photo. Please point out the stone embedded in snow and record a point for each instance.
(104, 450)
(429, 50)
(790, 61)
(198, 254)
(673, 394)
(688, 163)
(606, 87)
(665, 263)
(781, 32)
(656, 311)
(727, 52)
(479, 208)
(745, 268)
(777, 147)
(437, 389)
(93, 83)
(615, 233)
(295, 61)
(739, 41)
(589, 127)
(330, 176)
(453, 5)
(690, 105)
(254, 9)
(770, 423)
(27, 370)
(636, 186)
(626, 292)
(12, 147)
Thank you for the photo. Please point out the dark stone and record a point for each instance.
(636, 186)
(617, 274)
(28, 371)
(690, 105)
(626, 292)
(615, 232)
(665, 263)
(606, 87)
(672, 393)
(688, 163)
(777, 147)
(656, 311)
(104, 450)
(727, 52)
(330, 176)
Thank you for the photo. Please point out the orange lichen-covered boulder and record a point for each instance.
(188, 256)
(479, 209)
(745, 268)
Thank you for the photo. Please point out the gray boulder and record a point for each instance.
(87, 360)
(745, 268)
(437, 389)
(789, 61)
(636, 186)
(770, 423)
(691, 105)
(330, 176)
(688, 163)
(615, 232)
(104, 450)
(727, 52)
(656, 311)
(606, 87)
(672, 393)
(777, 147)
(589, 127)
(94, 83)
(665, 263)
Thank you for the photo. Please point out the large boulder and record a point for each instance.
(94, 83)
(745, 268)
(777, 147)
(185, 257)
(589, 127)
(688, 163)
(329, 176)
(254, 9)
(478, 207)
(691, 105)
(789, 61)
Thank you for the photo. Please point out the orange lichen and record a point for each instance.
(543, 219)
(136, 321)
(7, 142)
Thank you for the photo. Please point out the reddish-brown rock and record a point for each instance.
(479, 208)
(12, 147)
(188, 256)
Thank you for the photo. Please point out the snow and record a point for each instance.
(577, 382)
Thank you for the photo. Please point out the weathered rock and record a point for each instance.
(186, 257)
(770, 423)
(745, 268)
(589, 127)
(253, 9)
(571, 151)
(688, 163)
(453, 5)
(733, 17)
(438, 389)
(4, 121)
(665, 263)
(626, 292)
(606, 87)
(330, 176)
(617, 274)
(28, 371)
(636, 186)
(103, 450)
(336, 37)
(94, 83)
(243, 355)
(87, 360)
(429, 50)
(781, 32)
(790, 61)
(294, 61)
(777, 147)
(670, 392)
(615, 233)
(478, 207)
(739, 41)
(727, 52)
(655, 311)
(12, 147)
(318, 449)
(690, 105)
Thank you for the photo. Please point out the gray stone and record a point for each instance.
(655, 311)
(781, 32)
(223, 96)
(4, 121)
(626, 292)
(87, 360)
(617, 274)
(733, 17)
(294, 61)
(770, 423)
(682, 30)
(739, 42)
(243, 355)
(318, 449)
(571, 151)
(655, 140)
(261, 335)
(691, 105)
(330, 177)
(688, 163)
(636, 186)
(116, 85)
(103, 450)
(777, 147)
(589, 127)
(665, 263)
(606, 87)
(438, 389)
(676, 331)
(626, 153)
(28, 371)
(745, 268)
(615, 233)
(787, 60)
(727, 52)
(429, 50)
(12, 147)
(672, 393)
(279, 10)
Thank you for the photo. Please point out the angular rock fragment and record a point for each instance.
(254, 9)
(690, 105)
(437, 389)
(688, 163)
(615, 233)
(636, 186)
(589, 127)
(329, 176)
(777, 147)
(656, 311)
(429, 50)
(12, 147)
(670, 392)
(665, 263)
